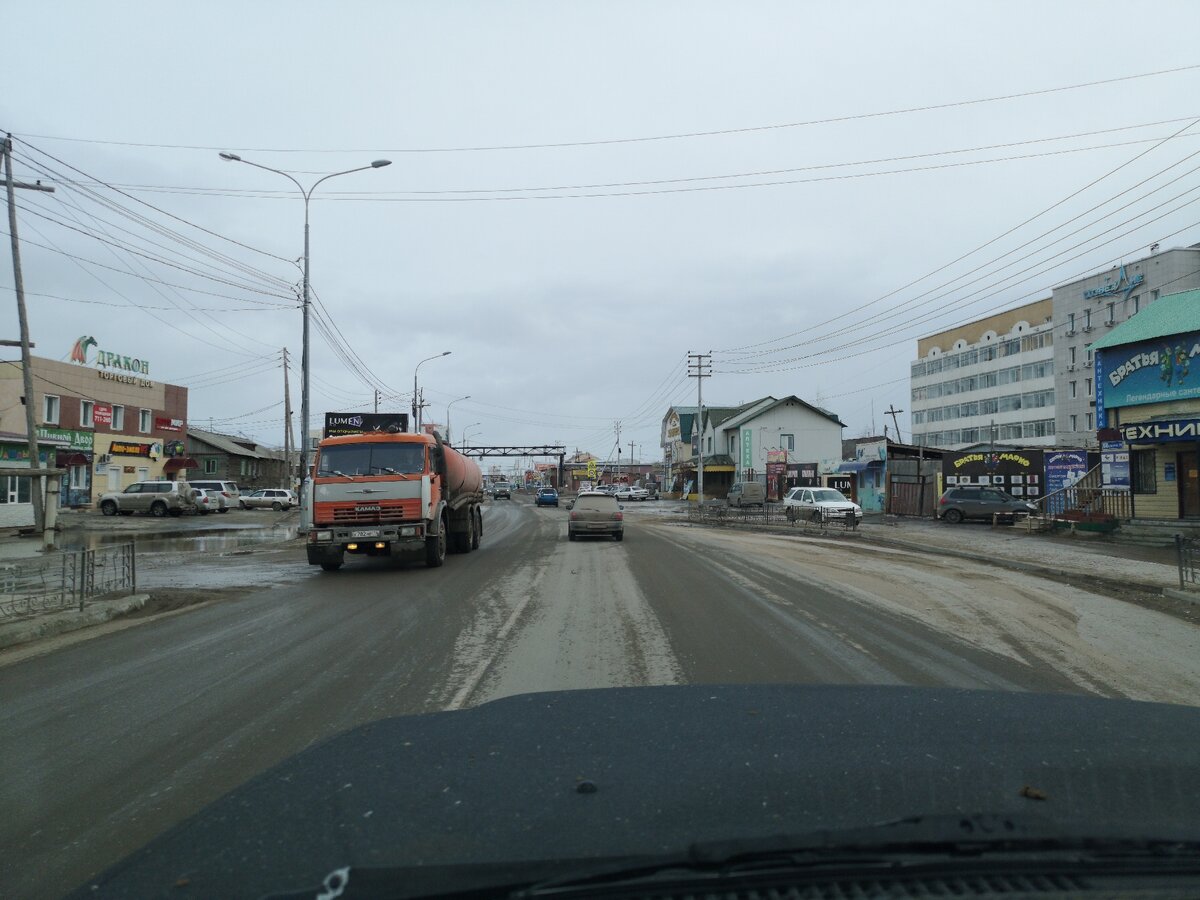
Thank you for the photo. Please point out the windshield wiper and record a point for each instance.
(387, 469)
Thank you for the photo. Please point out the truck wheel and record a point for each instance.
(469, 541)
(158, 509)
(108, 508)
(435, 547)
(331, 566)
(477, 533)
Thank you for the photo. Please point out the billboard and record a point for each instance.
(1063, 469)
(1148, 372)
(338, 424)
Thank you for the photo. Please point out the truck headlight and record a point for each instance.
(315, 537)
(408, 531)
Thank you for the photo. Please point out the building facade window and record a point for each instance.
(1071, 355)
(1087, 319)
(1143, 464)
(210, 466)
(78, 478)
(50, 407)
(1108, 320)
(787, 442)
(118, 423)
(1074, 422)
(144, 420)
(1089, 421)
(86, 414)
(1070, 323)
(15, 489)
(1073, 392)
(1088, 360)
(1087, 387)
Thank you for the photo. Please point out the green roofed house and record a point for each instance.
(1147, 397)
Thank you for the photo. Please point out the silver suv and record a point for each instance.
(159, 498)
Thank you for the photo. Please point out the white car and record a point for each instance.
(818, 504)
(626, 493)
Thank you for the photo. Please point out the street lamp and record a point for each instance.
(304, 358)
(465, 430)
(416, 409)
(448, 405)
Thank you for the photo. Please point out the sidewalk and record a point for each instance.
(1092, 558)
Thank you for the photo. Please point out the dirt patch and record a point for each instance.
(164, 600)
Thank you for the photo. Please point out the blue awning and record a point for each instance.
(857, 465)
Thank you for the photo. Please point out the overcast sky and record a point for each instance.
(685, 191)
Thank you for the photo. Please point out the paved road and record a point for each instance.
(107, 742)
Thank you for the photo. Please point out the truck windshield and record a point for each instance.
(372, 459)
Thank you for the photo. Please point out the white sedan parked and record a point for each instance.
(274, 499)
(822, 505)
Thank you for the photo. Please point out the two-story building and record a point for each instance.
(113, 422)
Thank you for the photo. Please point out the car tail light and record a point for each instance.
(618, 516)
(942, 501)
(574, 515)
(226, 494)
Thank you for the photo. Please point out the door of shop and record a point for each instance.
(1188, 479)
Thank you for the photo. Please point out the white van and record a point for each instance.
(747, 493)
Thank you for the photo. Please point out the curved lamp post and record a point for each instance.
(304, 359)
(416, 408)
(448, 405)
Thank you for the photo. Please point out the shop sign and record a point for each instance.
(128, 448)
(1063, 469)
(1114, 469)
(1161, 432)
(1148, 372)
(747, 448)
(105, 359)
(1123, 285)
(77, 440)
(776, 456)
(174, 449)
(337, 424)
(164, 423)
(102, 414)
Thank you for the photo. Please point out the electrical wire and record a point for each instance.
(664, 137)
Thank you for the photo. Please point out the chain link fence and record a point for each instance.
(68, 579)
(717, 512)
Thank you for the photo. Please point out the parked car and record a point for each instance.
(747, 493)
(159, 498)
(274, 498)
(596, 513)
(546, 496)
(230, 495)
(501, 489)
(207, 501)
(821, 505)
(979, 502)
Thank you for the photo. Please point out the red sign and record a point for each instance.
(164, 424)
(102, 414)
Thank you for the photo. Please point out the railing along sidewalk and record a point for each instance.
(67, 579)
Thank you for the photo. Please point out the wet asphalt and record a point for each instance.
(109, 741)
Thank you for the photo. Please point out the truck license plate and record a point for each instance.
(365, 533)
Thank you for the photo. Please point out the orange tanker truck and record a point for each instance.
(378, 491)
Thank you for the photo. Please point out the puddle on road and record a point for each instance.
(214, 541)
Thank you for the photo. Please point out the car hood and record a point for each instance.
(605, 773)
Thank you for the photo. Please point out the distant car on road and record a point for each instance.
(747, 493)
(546, 496)
(159, 498)
(596, 513)
(501, 489)
(821, 505)
(979, 502)
(274, 498)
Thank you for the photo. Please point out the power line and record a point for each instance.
(661, 137)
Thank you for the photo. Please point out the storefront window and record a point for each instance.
(1144, 464)
(118, 422)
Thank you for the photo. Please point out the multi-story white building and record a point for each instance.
(989, 380)
(1084, 310)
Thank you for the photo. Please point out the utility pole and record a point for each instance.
(617, 427)
(699, 367)
(376, 392)
(631, 472)
(287, 423)
(36, 487)
(892, 411)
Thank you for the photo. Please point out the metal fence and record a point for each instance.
(716, 512)
(1188, 555)
(65, 580)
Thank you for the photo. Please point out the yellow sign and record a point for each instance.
(591, 468)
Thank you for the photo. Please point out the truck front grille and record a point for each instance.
(383, 512)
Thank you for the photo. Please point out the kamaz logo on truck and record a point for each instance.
(375, 508)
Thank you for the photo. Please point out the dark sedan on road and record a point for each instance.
(547, 496)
